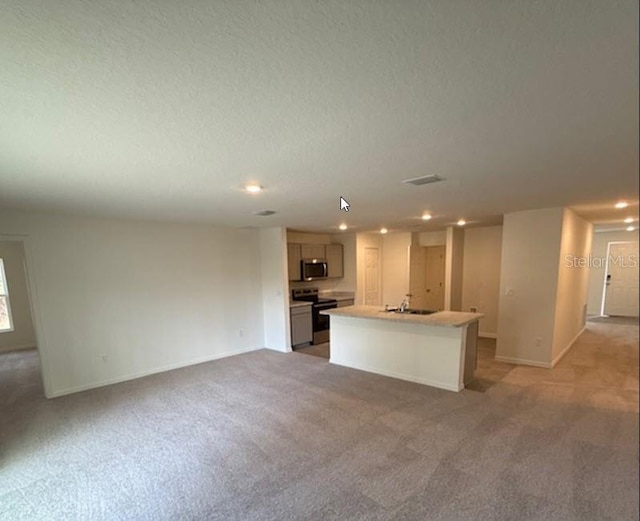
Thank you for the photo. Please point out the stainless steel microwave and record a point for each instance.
(313, 269)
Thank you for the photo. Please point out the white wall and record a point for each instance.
(598, 265)
(573, 283)
(454, 259)
(147, 296)
(528, 285)
(23, 335)
(275, 289)
(481, 275)
(395, 267)
(363, 241)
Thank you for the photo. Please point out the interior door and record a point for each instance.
(418, 277)
(435, 269)
(621, 285)
(371, 277)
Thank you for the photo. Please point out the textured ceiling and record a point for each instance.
(163, 109)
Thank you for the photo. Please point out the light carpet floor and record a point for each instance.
(271, 436)
(628, 321)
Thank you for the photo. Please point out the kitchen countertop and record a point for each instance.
(440, 318)
(298, 303)
(338, 295)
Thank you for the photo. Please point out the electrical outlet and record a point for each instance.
(538, 341)
(473, 309)
(241, 333)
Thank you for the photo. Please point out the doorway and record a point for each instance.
(620, 293)
(16, 323)
(19, 356)
(427, 277)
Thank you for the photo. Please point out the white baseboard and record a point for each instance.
(523, 361)
(141, 374)
(16, 348)
(424, 381)
(569, 345)
(481, 334)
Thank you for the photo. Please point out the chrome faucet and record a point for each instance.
(404, 305)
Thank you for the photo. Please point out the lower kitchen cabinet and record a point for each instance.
(301, 325)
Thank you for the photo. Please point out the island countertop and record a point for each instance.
(440, 318)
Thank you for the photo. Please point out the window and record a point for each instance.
(5, 310)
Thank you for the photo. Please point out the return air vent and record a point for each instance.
(264, 213)
(424, 180)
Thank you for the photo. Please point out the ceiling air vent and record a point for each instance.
(264, 213)
(424, 180)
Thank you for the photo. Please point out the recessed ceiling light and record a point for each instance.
(622, 204)
(264, 213)
(383, 230)
(628, 220)
(426, 216)
(461, 222)
(343, 227)
(254, 189)
(630, 228)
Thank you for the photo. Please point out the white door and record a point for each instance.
(371, 277)
(621, 283)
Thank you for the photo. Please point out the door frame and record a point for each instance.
(34, 306)
(606, 272)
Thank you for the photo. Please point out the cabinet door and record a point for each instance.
(301, 328)
(294, 256)
(312, 251)
(335, 265)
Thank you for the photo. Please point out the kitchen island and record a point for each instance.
(438, 349)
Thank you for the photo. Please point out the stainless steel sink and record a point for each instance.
(411, 311)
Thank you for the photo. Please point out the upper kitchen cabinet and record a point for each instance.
(334, 256)
(332, 253)
(312, 251)
(294, 255)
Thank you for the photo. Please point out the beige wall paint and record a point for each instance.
(599, 243)
(438, 238)
(23, 335)
(365, 240)
(573, 283)
(481, 275)
(308, 238)
(148, 296)
(542, 298)
(395, 267)
(528, 285)
(454, 258)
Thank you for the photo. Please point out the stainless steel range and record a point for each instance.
(320, 322)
